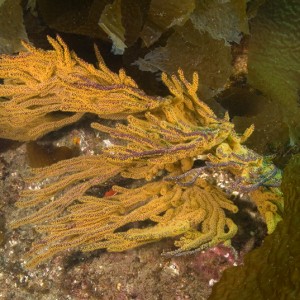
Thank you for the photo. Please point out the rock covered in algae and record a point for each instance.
(274, 58)
(271, 271)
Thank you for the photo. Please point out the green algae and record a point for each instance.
(273, 270)
(274, 58)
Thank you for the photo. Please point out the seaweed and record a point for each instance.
(274, 58)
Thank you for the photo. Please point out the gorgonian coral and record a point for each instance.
(157, 144)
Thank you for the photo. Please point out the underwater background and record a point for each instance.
(247, 56)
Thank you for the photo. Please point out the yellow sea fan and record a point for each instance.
(45, 90)
(161, 210)
(158, 142)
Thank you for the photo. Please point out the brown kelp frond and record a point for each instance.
(66, 181)
(161, 209)
(46, 90)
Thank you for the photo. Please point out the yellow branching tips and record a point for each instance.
(46, 90)
(158, 144)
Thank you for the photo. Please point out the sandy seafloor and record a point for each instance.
(141, 273)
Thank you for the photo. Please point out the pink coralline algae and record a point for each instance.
(212, 262)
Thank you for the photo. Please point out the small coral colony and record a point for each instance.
(164, 144)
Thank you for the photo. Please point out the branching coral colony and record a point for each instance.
(158, 144)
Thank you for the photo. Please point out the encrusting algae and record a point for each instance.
(157, 145)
